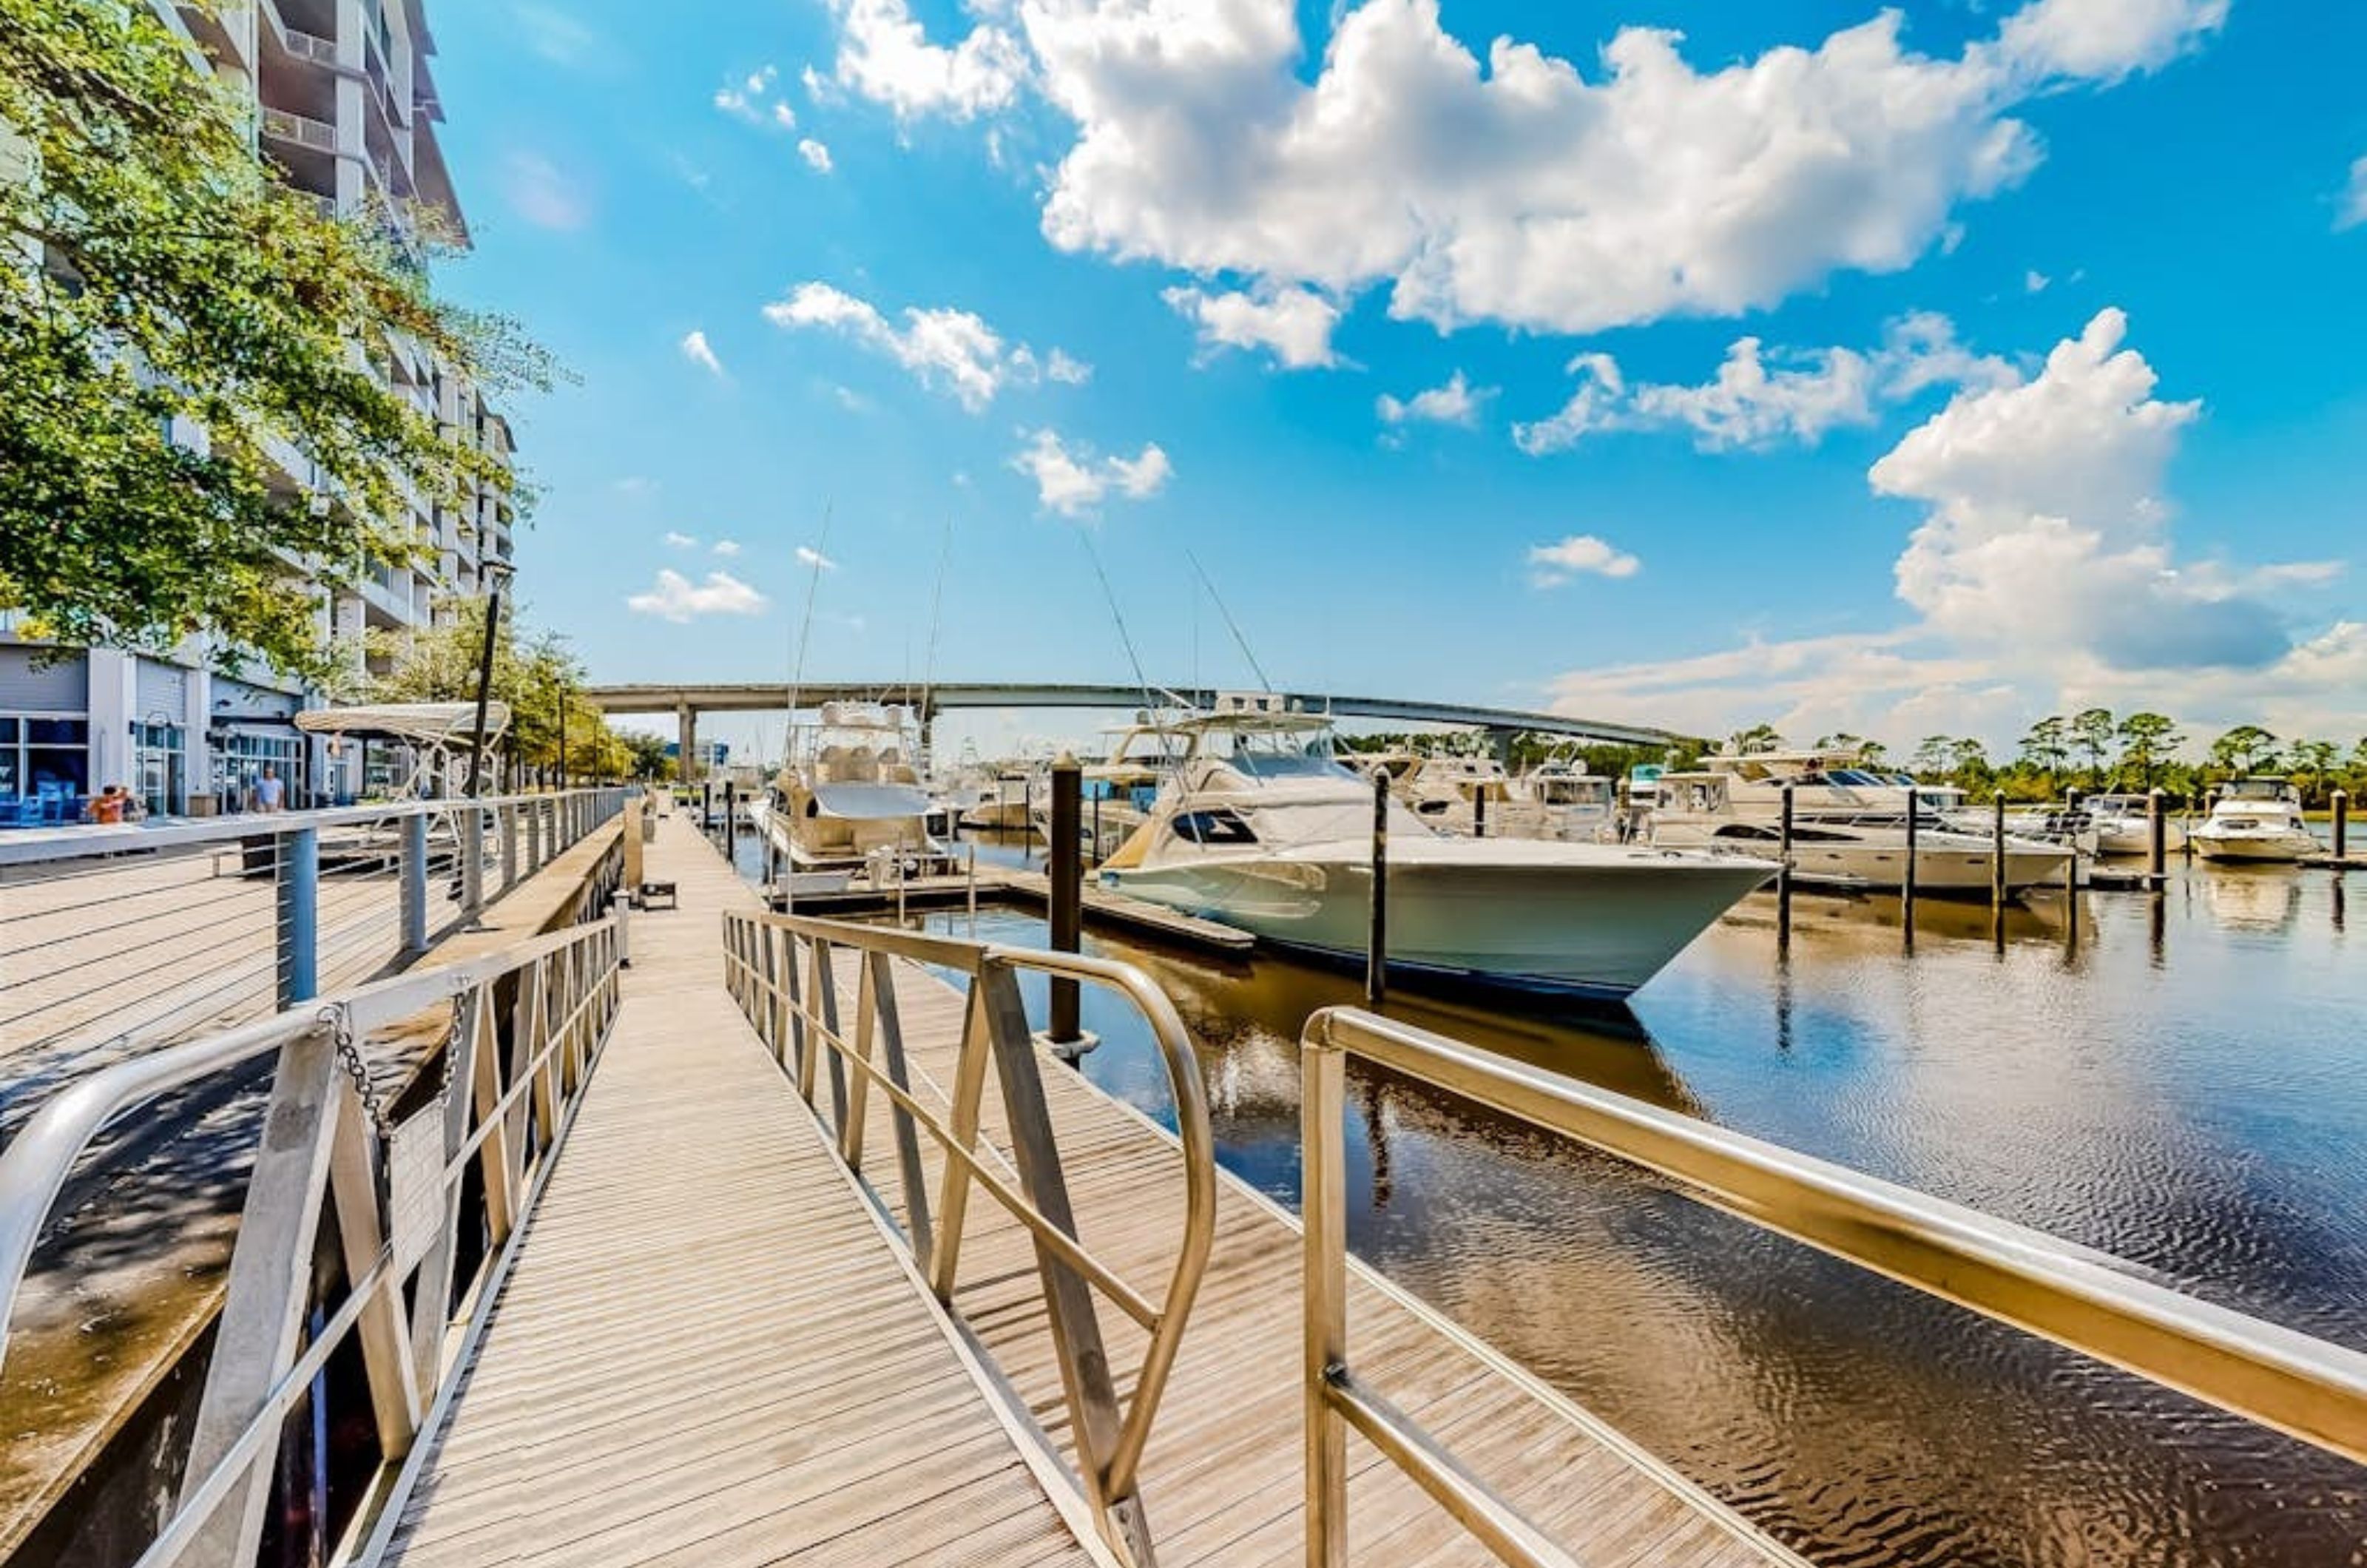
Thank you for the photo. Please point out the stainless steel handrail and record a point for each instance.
(79, 842)
(322, 1147)
(2075, 1296)
(761, 965)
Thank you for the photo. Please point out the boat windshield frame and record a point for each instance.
(1266, 747)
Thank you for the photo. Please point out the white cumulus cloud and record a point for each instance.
(1550, 566)
(1071, 372)
(1075, 482)
(885, 55)
(809, 556)
(675, 597)
(727, 546)
(677, 540)
(1534, 190)
(1759, 397)
(755, 100)
(694, 349)
(947, 350)
(1293, 324)
(2041, 575)
(816, 154)
(1455, 402)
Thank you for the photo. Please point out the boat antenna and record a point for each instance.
(1264, 682)
(1125, 637)
(936, 624)
(805, 625)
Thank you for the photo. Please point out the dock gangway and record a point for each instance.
(734, 1238)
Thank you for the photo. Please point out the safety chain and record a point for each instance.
(339, 1020)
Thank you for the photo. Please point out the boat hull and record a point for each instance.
(1945, 863)
(2257, 849)
(1597, 930)
(2137, 839)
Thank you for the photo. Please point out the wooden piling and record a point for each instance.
(1784, 875)
(1068, 878)
(1376, 937)
(1996, 853)
(1907, 879)
(2071, 842)
(2341, 803)
(2156, 837)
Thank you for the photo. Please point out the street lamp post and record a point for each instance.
(562, 734)
(494, 573)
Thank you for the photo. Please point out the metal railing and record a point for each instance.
(114, 941)
(780, 970)
(2071, 1295)
(434, 1197)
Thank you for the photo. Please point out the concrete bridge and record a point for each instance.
(687, 700)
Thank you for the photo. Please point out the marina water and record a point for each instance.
(2178, 1083)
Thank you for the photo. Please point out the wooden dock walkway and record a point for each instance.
(708, 1351)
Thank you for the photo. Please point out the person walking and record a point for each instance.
(271, 790)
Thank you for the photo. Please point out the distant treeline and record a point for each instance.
(2091, 750)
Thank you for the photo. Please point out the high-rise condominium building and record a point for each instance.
(345, 110)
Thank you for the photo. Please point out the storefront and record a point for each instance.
(45, 767)
(160, 766)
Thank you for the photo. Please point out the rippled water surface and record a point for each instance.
(2180, 1081)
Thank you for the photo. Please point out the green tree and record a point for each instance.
(2147, 740)
(646, 756)
(534, 672)
(2244, 749)
(1757, 739)
(2314, 763)
(1933, 756)
(2092, 730)
(2047, 745)
(185, 317)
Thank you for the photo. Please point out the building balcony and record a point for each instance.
(299, 131)
(310, 48)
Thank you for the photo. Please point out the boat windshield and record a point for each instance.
(2255, 789)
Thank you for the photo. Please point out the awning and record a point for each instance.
(430, 724)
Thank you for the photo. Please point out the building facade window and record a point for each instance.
(159, 767)
(44, 768)
(238, 760)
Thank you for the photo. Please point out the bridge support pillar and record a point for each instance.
(687, 717)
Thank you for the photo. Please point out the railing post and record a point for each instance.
(271, 1276)
(534, 855)
(299, 916)
(880, 972)
(1377, 938)
(1322, 1184)
(472, 821)
(411, 869)
(509, 832)
(1094, 1420)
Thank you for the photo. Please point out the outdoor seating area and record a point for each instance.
(51, 805)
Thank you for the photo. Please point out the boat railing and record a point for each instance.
(2087, 1301)
(424, 1187)
(781, 970)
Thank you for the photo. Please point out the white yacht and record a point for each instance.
(851, 799)
(1571, 805)
(1004, 803)
(1117, 792)
(1261, 829)
(1849, 825)
(1446, 792)
(2123, 825)
(2256, 819)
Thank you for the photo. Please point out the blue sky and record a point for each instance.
(1895, 376)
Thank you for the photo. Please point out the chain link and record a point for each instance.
(338, 1019)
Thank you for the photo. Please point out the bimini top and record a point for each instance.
(426, 724)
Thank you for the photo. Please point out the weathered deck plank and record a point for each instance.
(707, 1352)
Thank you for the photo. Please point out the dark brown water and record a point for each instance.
(2184, 1084)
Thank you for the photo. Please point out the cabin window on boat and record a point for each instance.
(1214, 827)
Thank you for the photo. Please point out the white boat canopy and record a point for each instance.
(436, 731)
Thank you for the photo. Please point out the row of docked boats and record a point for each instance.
(1557, 880)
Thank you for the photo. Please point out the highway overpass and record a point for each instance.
(687, 700)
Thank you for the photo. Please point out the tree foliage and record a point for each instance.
(534, 672)
(177, 328)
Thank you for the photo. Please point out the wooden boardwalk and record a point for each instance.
(708, 1352)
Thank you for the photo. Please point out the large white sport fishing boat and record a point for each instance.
(851, 800)
(1259, 827)
(2256, 819)
(1849, 824)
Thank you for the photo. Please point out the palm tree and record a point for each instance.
(2146, 739)
(2244, 749)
